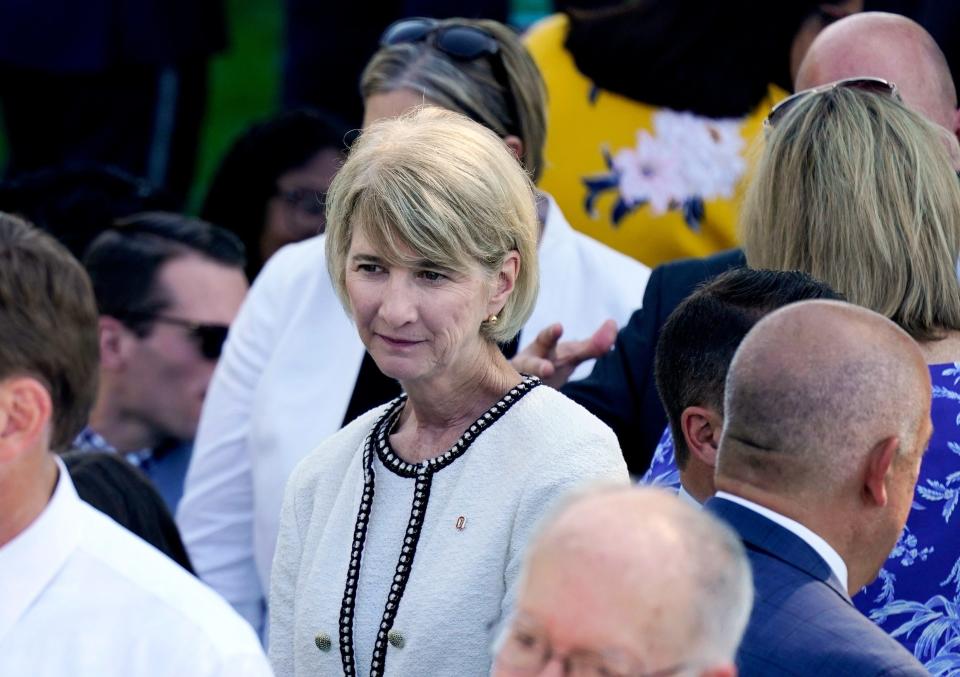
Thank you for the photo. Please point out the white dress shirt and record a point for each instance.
(82, 596)
(285, 379)
(824, 549)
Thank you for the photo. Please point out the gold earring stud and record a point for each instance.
(492, 319)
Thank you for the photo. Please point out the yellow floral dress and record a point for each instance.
(653, 183)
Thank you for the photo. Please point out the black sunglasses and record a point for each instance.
(464, 43)
(873, 85)
(208, 337)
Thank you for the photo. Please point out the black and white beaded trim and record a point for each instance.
(378, 442)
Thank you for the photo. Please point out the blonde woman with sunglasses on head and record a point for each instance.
(858, 190)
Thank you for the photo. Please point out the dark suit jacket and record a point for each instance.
(621, 390)
(803, 622)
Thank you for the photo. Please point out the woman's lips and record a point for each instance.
(398, 342)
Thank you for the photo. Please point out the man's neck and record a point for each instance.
(823, 519)
(25, 491)
(122, 433)
(697, 479)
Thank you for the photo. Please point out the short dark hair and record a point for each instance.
(122, 492)
(48, 323)
(123, 262)
(699, 339)
(247, 176)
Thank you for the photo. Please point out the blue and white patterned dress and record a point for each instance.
(916, 597)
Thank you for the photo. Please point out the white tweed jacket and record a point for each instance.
(427, 606)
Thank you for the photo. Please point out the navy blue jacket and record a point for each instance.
(803, 622)
(620, 390)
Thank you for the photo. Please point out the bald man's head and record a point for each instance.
(887, 46)
(636, 571)
(813, 388)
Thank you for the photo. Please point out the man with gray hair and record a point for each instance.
(628, 581)
(827, 419)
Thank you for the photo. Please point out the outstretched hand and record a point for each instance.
(553, 361)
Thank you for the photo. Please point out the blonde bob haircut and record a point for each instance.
(471, 87)
(432, 185)
(859, 191)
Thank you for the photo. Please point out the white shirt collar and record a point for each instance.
(32, 559)
(824, 549)
(687, 497)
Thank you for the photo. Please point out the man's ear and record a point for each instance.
(25, 411)
(880, 460)
(115, 343)
(515, 144)
(504, 282)
(701, 430)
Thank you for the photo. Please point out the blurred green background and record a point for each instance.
(245, 79)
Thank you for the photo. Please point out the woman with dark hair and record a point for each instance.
(270, 186)
(123, 493)
(653, 104)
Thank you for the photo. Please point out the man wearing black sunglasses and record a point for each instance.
(167, 289)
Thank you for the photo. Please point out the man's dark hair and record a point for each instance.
(123, 262)
(48, 324)
(121, 491)
(699, 339)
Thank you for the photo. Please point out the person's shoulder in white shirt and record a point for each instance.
(91, 598)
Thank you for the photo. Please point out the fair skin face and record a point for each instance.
(286, 222)
(400, 101)
(152, 387)
(421, 324)
(28, 473)
(592, 586)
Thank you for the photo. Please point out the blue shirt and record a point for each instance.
(916, 597)
(166, 470)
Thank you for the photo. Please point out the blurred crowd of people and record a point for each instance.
(383, 405)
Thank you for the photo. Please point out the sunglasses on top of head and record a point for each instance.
(209, 338)
(873, 85)
(460, 42)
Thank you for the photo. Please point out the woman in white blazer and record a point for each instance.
(294, 370)
(401, 536)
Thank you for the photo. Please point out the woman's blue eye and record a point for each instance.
(432, 275)
(369, 268)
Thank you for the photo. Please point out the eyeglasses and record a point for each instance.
(873, 85)
(464, 43)
(209, 338)
(525, 650)
(304, 200)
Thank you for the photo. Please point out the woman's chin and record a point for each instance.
(400, 368)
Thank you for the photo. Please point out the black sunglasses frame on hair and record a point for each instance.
(464, 43)
(208, 337)
(866, 84)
